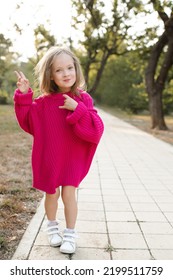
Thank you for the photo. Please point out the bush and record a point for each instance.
(3, 97)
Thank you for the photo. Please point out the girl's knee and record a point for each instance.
(68, 194)
(54, 196)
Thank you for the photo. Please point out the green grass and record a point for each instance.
(8, 123)
(2, 241)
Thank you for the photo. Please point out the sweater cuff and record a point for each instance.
(23, 98)
(80, 110)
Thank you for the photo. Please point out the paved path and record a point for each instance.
(125, 203)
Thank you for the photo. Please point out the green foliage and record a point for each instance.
(122, 85)
(3, 97)
(9, 63)
(7, 67)
(102, 36)
(3, 242)
(43, 40)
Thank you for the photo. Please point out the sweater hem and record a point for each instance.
(53, 192)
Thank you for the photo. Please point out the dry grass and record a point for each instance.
(18, 200)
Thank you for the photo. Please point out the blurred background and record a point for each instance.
(124, 46)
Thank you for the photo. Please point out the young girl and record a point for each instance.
(66, 130)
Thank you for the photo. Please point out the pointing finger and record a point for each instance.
(66, 96)
(62, 107)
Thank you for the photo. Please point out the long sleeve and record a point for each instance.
(87, 124)
(23, 107)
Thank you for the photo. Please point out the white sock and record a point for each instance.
(70, 230)
(51, 223)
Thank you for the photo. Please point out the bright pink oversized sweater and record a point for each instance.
(64, 142)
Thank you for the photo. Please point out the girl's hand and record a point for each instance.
(22, 82)
(69, 103)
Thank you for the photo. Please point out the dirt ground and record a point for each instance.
(18, 200)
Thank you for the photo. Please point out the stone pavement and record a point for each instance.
(125, 203)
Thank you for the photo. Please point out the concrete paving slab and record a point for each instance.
(47, 253)
(145, 207)
(90, 253)
(117, 207)
(150, 217)
(156, 228)
(93, 240)
(131, 255)
(162, 254)
(123, 227)
(128, 241)
(162, 241)
(91, 226)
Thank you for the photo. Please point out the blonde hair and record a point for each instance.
(43, 70)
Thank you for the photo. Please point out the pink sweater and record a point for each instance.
(64, 142)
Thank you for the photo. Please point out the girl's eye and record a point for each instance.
(58, 70)
(71, 67)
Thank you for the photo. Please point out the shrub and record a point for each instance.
(3, 97)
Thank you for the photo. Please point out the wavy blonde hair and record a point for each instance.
(43, 71)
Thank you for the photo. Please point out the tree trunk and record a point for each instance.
(100, 71)
(155, 85)
(155, 80)
(156, 110)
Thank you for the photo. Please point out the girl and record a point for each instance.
(66, 130)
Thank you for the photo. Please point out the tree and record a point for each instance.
(156, 78)
(43, 40)
(103, 36)
(7, 66)
(128, 95)
(5, 57)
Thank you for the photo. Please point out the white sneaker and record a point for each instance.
(68, 243)
(54, 236)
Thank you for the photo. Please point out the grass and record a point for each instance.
(9, 204)
(18, 200)
(2, 242)
(8, 122)
(109, 248)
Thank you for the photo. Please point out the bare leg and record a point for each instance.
(51, 205)
(70, 205)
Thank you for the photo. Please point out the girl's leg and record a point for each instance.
(70, 210)
(51, 205)
(70, 205)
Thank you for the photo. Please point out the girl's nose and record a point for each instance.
(66, 73)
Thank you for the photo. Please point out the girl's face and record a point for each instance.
(63, 72)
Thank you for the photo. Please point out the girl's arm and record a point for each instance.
(87, 124)
(23, 101)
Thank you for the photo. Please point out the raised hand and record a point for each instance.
(22, 82)
(69, 103)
